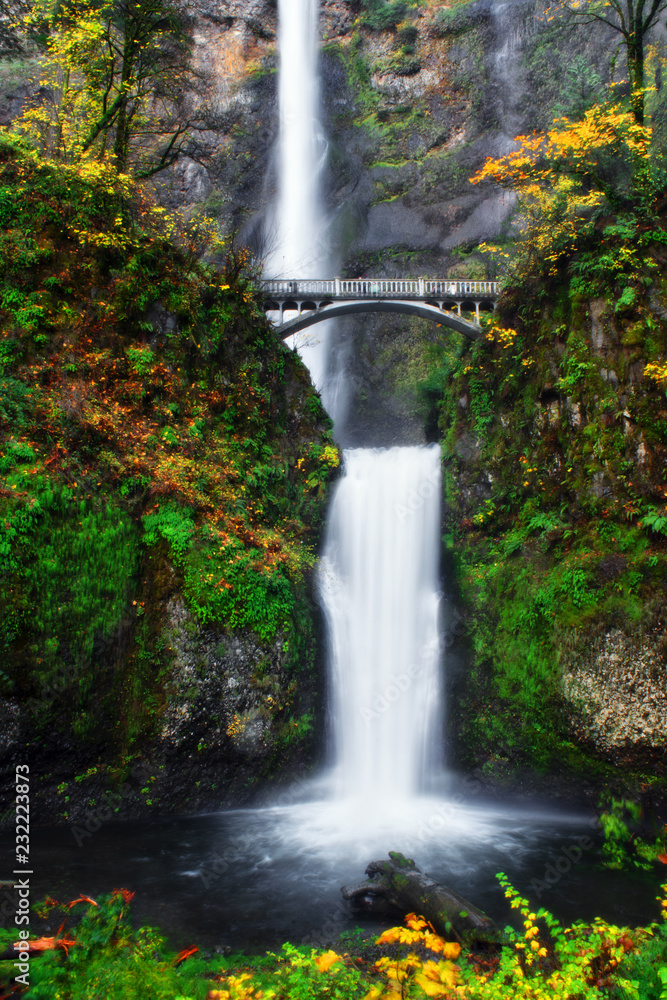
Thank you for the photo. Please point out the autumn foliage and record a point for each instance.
(146, 407)
(563, 176)
(535, 959)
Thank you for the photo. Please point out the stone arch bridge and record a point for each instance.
(451, 303)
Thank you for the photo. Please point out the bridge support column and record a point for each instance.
(458, 308)
(477, 312)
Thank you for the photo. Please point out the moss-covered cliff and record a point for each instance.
(554, 437)
(164, 464)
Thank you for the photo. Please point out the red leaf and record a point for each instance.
(125, 893)
(45, 944)
(81, 899)
(185, 954)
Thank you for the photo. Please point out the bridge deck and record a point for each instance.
(381, 288)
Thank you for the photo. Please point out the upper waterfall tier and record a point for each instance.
(296, 241)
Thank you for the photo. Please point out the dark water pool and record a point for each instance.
(254, 878)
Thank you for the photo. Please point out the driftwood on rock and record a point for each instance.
(400, 884)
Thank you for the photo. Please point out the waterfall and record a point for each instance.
(297, 235)
(379, 571)
(379, 585)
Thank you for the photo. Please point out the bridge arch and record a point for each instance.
(413, 308)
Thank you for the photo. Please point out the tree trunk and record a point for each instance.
(399, 883)
(122, 140)
(635, 51)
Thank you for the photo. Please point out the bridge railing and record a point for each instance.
(366, 288)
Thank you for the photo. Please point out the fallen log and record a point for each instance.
(400, 884)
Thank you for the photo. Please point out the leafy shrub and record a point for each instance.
(104, 956)
(173, 523)
(655, 520)
(71, 577)
(226, 582)
(383, 15)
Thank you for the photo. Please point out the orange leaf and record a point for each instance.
(182, 955)
(663, 858)
(81, 899)
(45, 944)
(125, 893)
(325, 961)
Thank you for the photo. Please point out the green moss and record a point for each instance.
(550, 512)
(155, 441)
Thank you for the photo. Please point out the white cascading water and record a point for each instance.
(379, 585)
(297, 234)
(297, 240)
(379, 571)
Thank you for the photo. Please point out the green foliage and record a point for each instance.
(557, 529)
(227, 582)
(655, 520)
(578, 89)
(544, 960)
(617, 847)
(453, 21)
(576, 369)
(173, 523)
(642, 975)
(141, 360)
(384, 15)
(624, 846)
(69, 576)
(297, 976)
(111, 959)
(125, 467)
(575, 586)
(296, 730)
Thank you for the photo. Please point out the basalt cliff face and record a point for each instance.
(410, 113)
(164, 463)
(564, 671)
(553, 443)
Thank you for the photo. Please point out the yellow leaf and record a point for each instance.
(452, 949)
(430, 988)
(325, 961)
(435, 978)
(390, 936)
